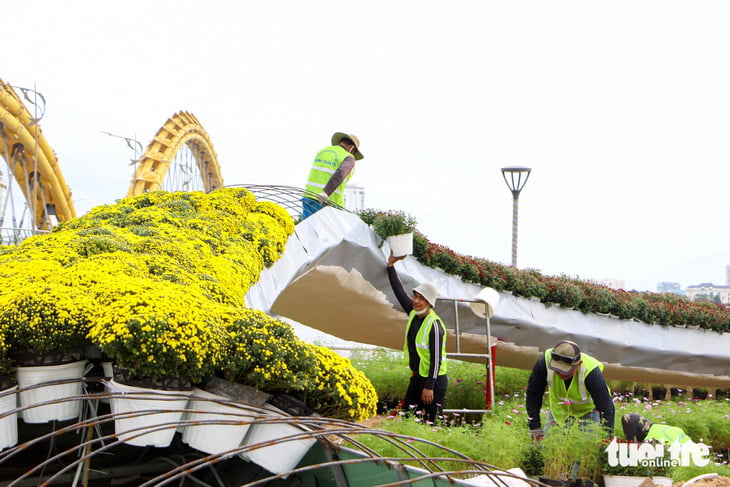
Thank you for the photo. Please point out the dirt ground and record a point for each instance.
(718, 481)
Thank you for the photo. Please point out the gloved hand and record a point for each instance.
(537, 434)
(322, 197)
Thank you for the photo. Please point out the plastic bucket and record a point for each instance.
(210, 437)
(162, 409)
(38, 374)
(9, 423)
(279, 457)
(401, 245)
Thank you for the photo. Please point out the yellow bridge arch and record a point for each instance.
(179, 130)
(32, 162)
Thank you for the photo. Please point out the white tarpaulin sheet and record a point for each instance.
(332, 277)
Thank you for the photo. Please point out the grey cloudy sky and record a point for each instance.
(621, 108)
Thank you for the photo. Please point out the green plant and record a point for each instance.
(664, 309)
(510, 381)
(467, 385)
(564, 291)
(385, 370)
(368, 215)
(572, 451)
(389, 223)
(503, 436)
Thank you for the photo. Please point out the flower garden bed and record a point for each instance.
(156, 283)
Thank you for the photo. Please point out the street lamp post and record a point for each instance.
(516, 178)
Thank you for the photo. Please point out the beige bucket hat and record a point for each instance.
(429, 291)
(337, 138)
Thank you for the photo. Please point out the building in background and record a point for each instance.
(612, 283)
(354, 198)
(708, 292)
(669, 287)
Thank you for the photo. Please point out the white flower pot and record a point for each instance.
(622, 480)
(162, 412)
(282, 456)
(9, 423)
(401, 245)
(58, 409)
(214, 438)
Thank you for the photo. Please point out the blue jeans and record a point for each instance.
(310, 207)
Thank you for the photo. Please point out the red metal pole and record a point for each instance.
(491, 378)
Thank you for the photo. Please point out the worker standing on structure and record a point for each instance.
(333, 166)
(424, 348)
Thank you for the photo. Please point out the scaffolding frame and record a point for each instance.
(487, 357)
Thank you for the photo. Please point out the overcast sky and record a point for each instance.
(621, 109)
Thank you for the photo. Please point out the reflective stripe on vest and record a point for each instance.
(663, 433)
(327, 161)
(575, 401)
(422, 348)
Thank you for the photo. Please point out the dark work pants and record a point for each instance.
(413, 397)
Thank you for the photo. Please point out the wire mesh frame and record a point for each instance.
(488, 358)
(289, 197)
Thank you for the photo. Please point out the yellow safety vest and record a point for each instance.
(575, 401)
(327, 161)
(422, 347)
(663, 433)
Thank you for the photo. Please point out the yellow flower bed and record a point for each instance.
(265, 353)
(340, 390)
(157, 282)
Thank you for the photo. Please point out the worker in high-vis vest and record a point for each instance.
(332, 168)
(424, 347)
(576, 386)
(637, 428)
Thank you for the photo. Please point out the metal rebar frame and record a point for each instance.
(87, 450)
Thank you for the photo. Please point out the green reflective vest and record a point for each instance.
(575, 401)
(327, 161)
(663, 433)
(422, 344)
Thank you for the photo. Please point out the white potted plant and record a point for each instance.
(396, 228)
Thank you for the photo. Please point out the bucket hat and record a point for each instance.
(429, 291)
(337, 138)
